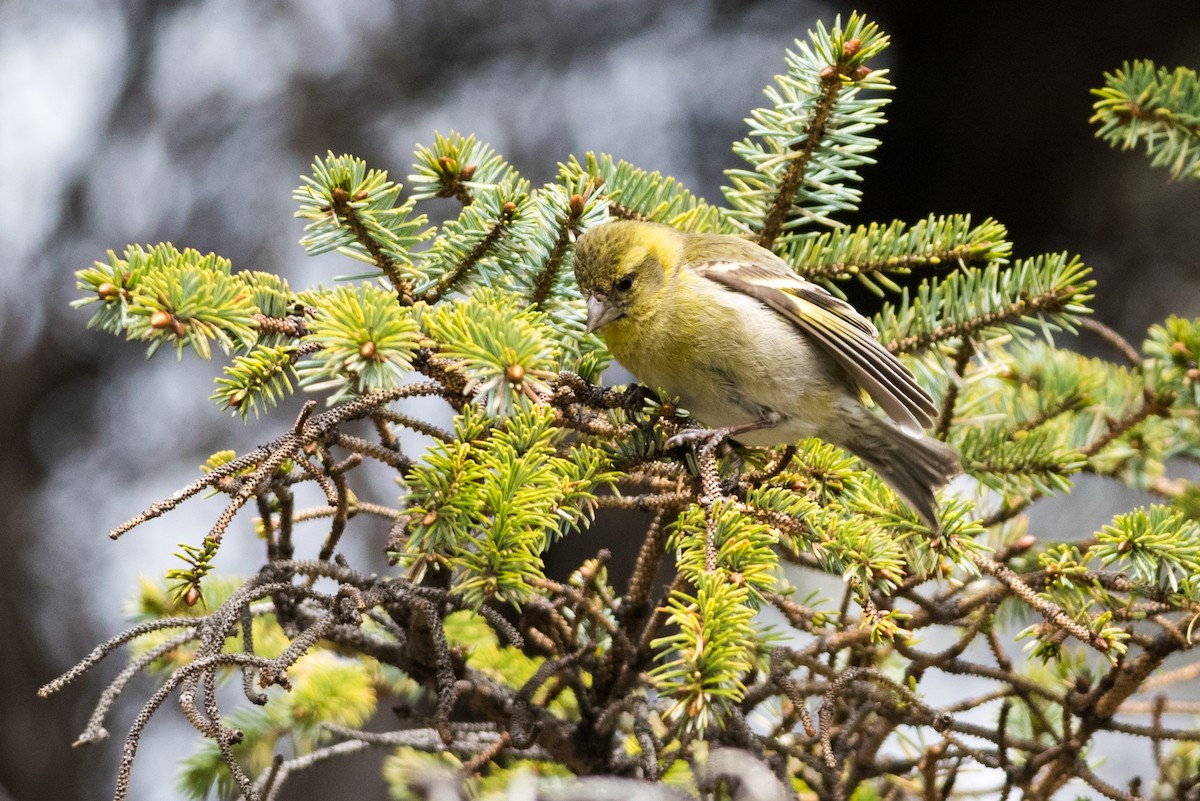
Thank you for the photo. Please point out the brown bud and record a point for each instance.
(310, 448)
(339, 194)
(576, 205)
(508, 209)
(361, 194)
(1083, 683)
(860, 72)
(597, 181)
(367, 350)
(515, 373)
(851, 47)
(446, 164)
(160, 319)
(430, 518)
(192, 595)
(828, 74)
(1192, 374)
(1179, 349)
(1052, 569)
(737, 579)
(108, 291)
(1024, 543)
(467, 172)
(178, 329)
(1125, 547)
(236, 400)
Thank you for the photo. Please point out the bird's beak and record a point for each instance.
(600, 312)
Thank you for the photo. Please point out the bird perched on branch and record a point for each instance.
(756, 352)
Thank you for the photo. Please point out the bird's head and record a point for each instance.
(621, 268)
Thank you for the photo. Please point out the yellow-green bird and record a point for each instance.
(756, 352)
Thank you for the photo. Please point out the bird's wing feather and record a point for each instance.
(838, 329)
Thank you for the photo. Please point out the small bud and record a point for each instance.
(597, 181)
(1052, 569)
(430, 518)
(446, 164)
(160, 319)
(515, 373)
(1125, 547)
(339, 194)
(576, 205)
(860, 72)
(737, 579)
(237, 399)
(467, 172)
(1179, 349)
(310, 448)
(177, 328)
(851, 47)
(108, 291)
(192, 595)
(361, 194)
(1024, 543)
(367, 350)
(828, 74)
(1192, 374)
(508, 209)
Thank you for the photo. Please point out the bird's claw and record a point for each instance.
(705, 439)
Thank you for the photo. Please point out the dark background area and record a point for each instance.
(191, 122)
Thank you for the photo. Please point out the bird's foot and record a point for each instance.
(706, 440)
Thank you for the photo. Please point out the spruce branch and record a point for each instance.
(1113, 339)
(354, 210)
(871, 253)
(1051, 290)
(456, 166)
(804, 150)
(450, 278)
(1141, 102)
(636, 194)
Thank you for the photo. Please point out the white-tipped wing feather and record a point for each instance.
(838, 329)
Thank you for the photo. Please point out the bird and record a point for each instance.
(756, 353)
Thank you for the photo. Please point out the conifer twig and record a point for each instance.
(793, 178)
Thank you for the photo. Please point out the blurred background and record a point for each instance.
(148, 120)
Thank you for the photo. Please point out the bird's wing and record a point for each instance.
(837, 328)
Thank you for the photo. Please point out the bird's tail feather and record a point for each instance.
(915, 467)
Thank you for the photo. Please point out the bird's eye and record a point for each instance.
(625, 284)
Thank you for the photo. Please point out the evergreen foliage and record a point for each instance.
(1142, 103)
(732, 672)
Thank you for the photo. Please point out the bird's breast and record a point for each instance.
(730, 359)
